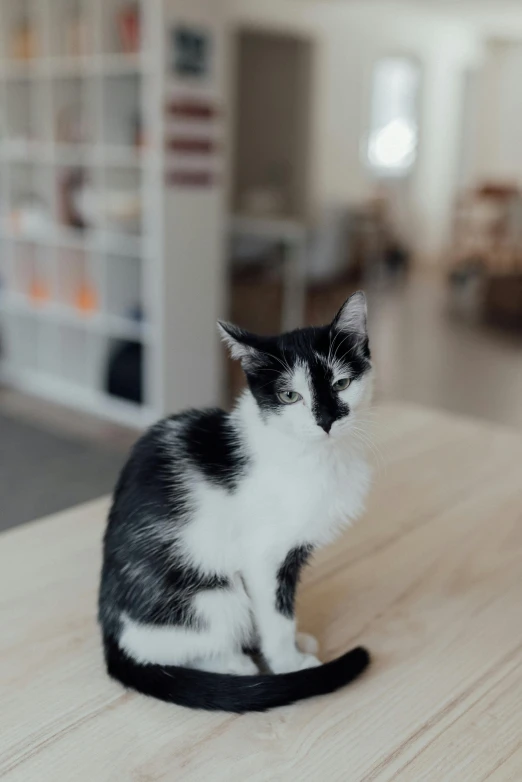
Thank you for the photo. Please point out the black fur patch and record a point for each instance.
(288, 577)
(213, 446)
(327, 405)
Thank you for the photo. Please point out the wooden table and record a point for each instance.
(431, 581)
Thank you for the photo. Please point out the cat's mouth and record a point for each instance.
(340, 430)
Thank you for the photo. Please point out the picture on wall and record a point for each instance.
(191, 51)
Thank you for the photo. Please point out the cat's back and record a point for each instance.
(170, 459)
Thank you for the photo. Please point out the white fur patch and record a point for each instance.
(225, 624)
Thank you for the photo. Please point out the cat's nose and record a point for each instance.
(325, 422)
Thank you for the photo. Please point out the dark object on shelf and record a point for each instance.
(71, 185)
(125, 372)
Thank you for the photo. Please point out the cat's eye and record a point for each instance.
(289, 397)
(342, 385)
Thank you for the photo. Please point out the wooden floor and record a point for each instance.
(428, 355)
(430, 582)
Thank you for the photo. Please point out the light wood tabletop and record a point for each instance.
(430, 581)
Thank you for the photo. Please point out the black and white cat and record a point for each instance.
(215, 514)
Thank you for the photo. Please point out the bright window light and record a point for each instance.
(393, 137)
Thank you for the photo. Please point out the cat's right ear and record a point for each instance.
(240, 343)
(352, 316)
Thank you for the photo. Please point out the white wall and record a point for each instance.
(354, 38)
(349, 37)
(498, 152)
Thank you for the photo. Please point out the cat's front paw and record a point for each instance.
(307, 644)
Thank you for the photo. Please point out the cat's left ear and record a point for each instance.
(241, 344)
(352, 317)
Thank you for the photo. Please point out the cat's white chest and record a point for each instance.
(308, 499)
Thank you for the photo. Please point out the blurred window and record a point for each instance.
(394, 128)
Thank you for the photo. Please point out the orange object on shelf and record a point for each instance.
(86, 299)
(23, 43)
(39, 292)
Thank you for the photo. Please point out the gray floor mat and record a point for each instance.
(42, 473)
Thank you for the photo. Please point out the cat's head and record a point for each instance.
(311, 382)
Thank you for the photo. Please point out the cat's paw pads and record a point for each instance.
(307, 644)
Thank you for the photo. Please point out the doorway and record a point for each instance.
(272, 125)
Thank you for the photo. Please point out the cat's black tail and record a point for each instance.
(224, 692)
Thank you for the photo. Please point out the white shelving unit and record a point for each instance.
(84, 112)
(75, 104)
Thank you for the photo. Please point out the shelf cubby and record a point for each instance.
(120, 27)
(73, 111)
(19, 342)
(72, 30)
(21, 125)
(49, 361)
(124, 288)
(22, 39)
(82, 354)
(77, 288)
(122, 201)
(122, 120)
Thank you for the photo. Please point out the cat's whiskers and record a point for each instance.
(364, 436)
(332, 345)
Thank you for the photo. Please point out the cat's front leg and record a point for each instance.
(272, 591)
(307, 643)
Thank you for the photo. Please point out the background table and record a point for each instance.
(431, 582)
(292, 235)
